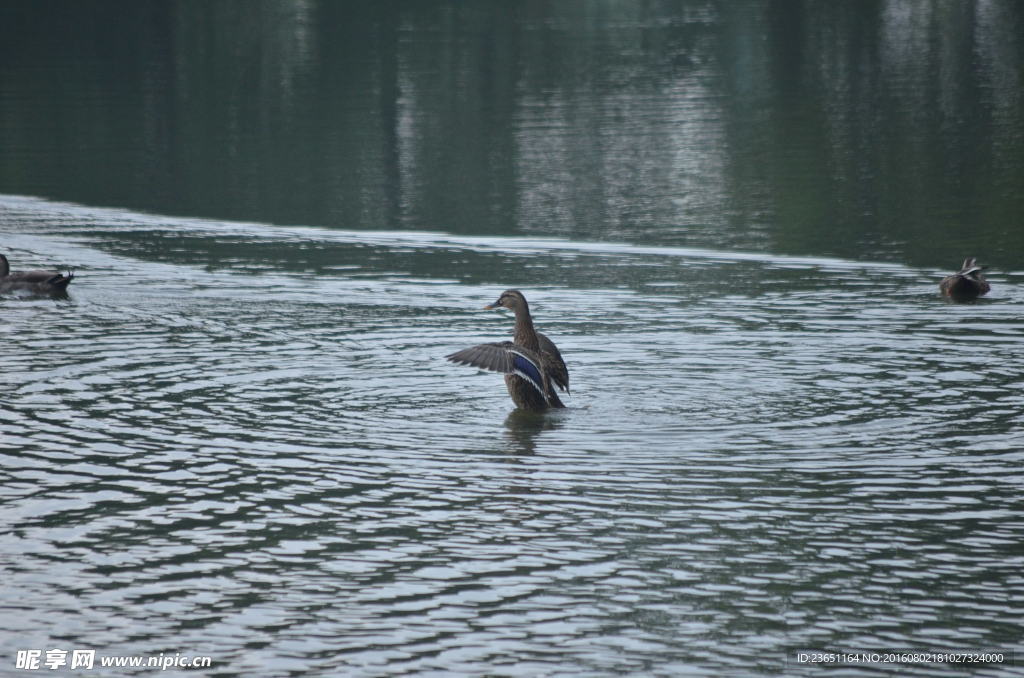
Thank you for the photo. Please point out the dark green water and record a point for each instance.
(868, 130)
(238, 437)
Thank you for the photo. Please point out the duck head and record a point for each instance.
(510, 299)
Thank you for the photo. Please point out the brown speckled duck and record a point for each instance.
(967, 283)
(33, 282)
(530, 362)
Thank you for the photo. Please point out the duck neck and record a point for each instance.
(525, 335)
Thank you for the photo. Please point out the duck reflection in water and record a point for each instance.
(531, 362)
(523, 429)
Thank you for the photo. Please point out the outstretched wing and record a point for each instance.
(504, 357)
(494, 357)
(557, 370)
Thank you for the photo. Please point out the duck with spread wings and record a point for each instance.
(531, 362)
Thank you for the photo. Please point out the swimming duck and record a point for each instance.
(530, 362)
(967, 283)
(35, 282)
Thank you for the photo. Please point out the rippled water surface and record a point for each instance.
(242, 440)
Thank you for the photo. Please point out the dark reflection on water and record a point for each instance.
(869, 130)
(523, 428)
(245, 452)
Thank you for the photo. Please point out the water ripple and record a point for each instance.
(243, 441)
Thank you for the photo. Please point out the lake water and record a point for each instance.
(237, 437)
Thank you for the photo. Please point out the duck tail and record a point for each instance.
(62, 280)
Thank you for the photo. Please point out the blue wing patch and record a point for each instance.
(525, 368)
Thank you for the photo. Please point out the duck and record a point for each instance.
(34, 282)
(531, 363)
(966, 284)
